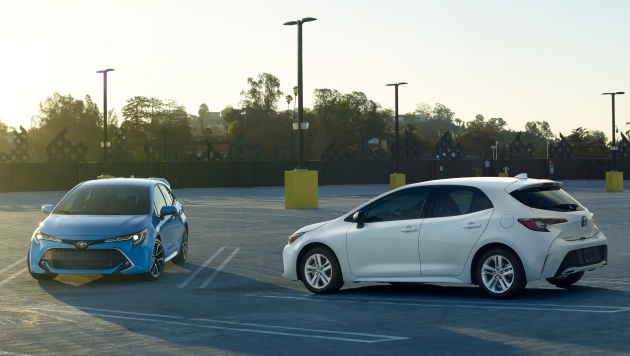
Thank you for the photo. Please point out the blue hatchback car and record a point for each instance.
(111, 226)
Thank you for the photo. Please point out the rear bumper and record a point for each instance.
(582, 260)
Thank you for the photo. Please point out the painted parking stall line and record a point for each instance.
(430, 303)
(22, 270)
(218, 270)
(223, 325)
(204, 266)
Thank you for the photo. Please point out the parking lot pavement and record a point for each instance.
(229, 297)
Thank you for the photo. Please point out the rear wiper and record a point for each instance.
(572, 207)
(64, 212)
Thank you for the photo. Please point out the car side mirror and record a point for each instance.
(47, 209)
(167, 210)
(359, 218)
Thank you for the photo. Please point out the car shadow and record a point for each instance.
(213, 319)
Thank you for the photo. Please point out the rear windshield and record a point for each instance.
(105, 200)
(547, 198)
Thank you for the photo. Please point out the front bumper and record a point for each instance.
(105, 258)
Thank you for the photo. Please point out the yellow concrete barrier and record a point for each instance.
(614, 181)
(396, 180)
(104, 176)
(300, 189)
(503, 174)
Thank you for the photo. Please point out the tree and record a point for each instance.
(5, 145)
(82, 119)
(345, 119)
(540, 129)
(479, 135)
(434, 123)
(587, 144)
(258, 121)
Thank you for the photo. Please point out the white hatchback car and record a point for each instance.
(498, 233)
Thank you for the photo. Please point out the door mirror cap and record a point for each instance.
(359, 217)
(167, 210)
(47, 209)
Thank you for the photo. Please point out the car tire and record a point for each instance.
(183, 249)
(500, 274)
(320, 271)
(157, 263)
(38, 276)
(566, 281)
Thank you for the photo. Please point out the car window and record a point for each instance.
(168, 196)
(547, 198)
(459, 200)
(402, 205)
(158, 200)
(105, 200)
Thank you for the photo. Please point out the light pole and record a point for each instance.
(396, 148)
(300, 90)
(613, 148)
(105, 143)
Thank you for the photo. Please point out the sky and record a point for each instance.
(521, 60)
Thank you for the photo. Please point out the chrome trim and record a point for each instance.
(172, 255)
(572, 270)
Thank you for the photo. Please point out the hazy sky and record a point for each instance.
(530, 60)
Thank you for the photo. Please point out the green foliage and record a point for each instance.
(345, 119)
(540, 129)
(82, 118)
(153, 122)
(588, 144)
(5, 138)
(479, 135)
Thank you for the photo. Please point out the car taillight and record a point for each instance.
(540, 224)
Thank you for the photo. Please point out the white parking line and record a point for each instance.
(214, 274)
(16, 263)
(230, 325)
(200, 268)
(5, 281)
(457, 304)
(12, 276)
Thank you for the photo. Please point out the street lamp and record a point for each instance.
(396, 148)
(613, 148)
(105, 143)
(301, 126)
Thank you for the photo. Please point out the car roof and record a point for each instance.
(509, 184)
(148, 182)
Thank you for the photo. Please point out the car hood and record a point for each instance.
(93, 225)
(313, 226)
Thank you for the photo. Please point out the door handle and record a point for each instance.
(471, 225)
(409, 229)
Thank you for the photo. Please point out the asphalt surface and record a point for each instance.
(230, 298)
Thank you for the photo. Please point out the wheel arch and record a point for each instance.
(305, 249)
(484, 249)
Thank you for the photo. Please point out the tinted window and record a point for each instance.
(158, 200)
(456, 200)
(547, 198)
(402, 205)
(105, 200)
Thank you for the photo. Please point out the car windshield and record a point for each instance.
(105, 200)
(547, 198)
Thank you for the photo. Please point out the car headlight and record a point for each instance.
(295, 236)
(38, 236)
(136, 238)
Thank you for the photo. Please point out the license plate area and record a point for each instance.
(591, 255)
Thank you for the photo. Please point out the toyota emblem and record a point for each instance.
(583, 221)
(82, 244)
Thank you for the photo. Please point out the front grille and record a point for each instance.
(89, 259)
(583, 257)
